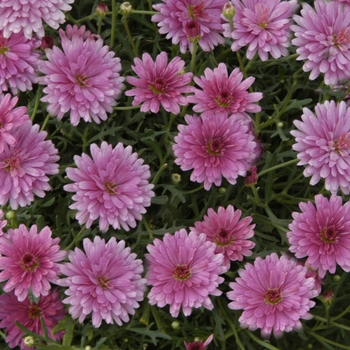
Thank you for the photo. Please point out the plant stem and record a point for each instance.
(127, 29)
(114, 20)
(45, 122)
(293, 161)
(261, 342)
(159, 173)
(36, 105)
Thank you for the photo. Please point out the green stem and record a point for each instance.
(127, 108)
(36, 105)
(195, 190)
(193, 58)
(127, 29)
(114, 21)
(261, 342)
(286, 101)
(341, 314)
(159, 173)
(45, 122)
(325, 340)
(142, 12)
(99, 24)
(75, 241)
(81, 20)
(148, 229)
(293, 161)
(256, 196)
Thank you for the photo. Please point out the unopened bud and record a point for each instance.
(101, 10)
(193, 31)
(125, 8)
(47, 42)
(251, 177)
(175, 325)
(222, 190)
(228, 11)
(327, 297)
(175, 178)
(336, 278)
(29, 341)
(10, 215)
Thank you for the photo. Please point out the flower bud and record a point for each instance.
(327, 297)
(175, 178)
(125, 8)
(228, 11)
(193, 31)
(47, 42)
(29, 341)
(175, 325)
(101, 10)
(251, 177)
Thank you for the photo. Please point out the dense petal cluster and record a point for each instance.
(199, 345)
(321, 232)
(177, 17)
(112, 187)
(323, 145)
(323, 40)
(24, 166)
(82, 78)
(159, 83)
(274, 294)
(228, 231)
(262, 25)
(183, 271)
(105, 281)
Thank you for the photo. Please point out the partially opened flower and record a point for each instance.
(199, 345)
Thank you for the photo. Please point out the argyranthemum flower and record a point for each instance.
(274, 294)
(18, 62)
(111, 187)
(183, 271)
(228, 231)
(159, 83)
(175, 15)
(29, 260)
(323, 145)
(28, 15)
(24, 167)
(321, 232)
(105, 281)
(323, 40)
(214, 146)
(262, 25)
(83, 79)
(28, 314)
(223, 94)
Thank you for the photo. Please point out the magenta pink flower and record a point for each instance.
(199, 345)
(183, 271)
(83, 79)
(24, 167)
(175, 15)
(105, 281)
(228, 232)
(274, 294)
(159, 83)
(49, 308)
(29, 260)
(112, 187)
(323, 145)
(323, 40)
(321, 232)
(214, 146)
(223, 94)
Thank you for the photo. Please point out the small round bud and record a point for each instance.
(175, 178)
(29, 341)
(280, 125)
(10, 215)
(125, 340)
(228, 11)
(47, 42)
(175, 325)
(193, 31)
(251, 177)
(336, 278)
(125, 8)
(309, 346)
(101, 10)
(222, 190)
(88, 347)
(327, 297)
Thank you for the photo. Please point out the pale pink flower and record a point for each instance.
(105, 281)
(183, 271)
(274, 294)
(323, 145)
(321, 232)
(174, 16)
(159, 83)
(112, 187)
(199, 345)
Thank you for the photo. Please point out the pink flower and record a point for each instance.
(274, 294)
(28, 15)
(199, 345)
(175, 15)
(183, 271)
(262, 25)
(323, 145)
(321, 232)
(83, 79)
(159, 83)
(223, 94)
(28, 314)
(323, 40)
(112, 187)
(105, 281)
(24, 167)
(214, 146)
(228, 232)
(3, 223)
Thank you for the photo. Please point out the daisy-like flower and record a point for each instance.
(214, 146)
(24, 167)
(323, 40)
(112, 187)
(18, 62)
(82, 78)
(262, 25)
(223, 94)
(175, 16)
(228, 231)
(29, 260)
(183, 271)
(321, 232)
(105, 281)
(28, 15)
(274, 294)
(323, 145)
(159, 83)
(28, 314)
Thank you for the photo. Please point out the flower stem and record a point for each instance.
(293, 161)
(114, 21)
(261, 342)
(126, 108)
(256, 196)
(193, 58)
(159, 173)
(127, 29)
(142, 12)
(45, 122)
(325, 340)
(148, 229)
(195, 190)
(99, 25)
(36, 105)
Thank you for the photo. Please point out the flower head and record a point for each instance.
(323, 145)
(199, 345)
(159, 83)
(274, 294)
(228, 232)
(3, 223)
(82, 78)
(112, 187)
(183, 271)
(105, 281)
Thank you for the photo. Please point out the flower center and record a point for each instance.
(272, 296)
(223, 237)
(262, 15)
(29, 262)
(342, 143)
(343, 37)
(3, 48)
(12, 164)
(103, 282)
(223, 99)
(34, 311)
(182, 272)
(110, 187)
(81, 80)
(214, 147)
(195, 11)
(329, 234)
(159, 86)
